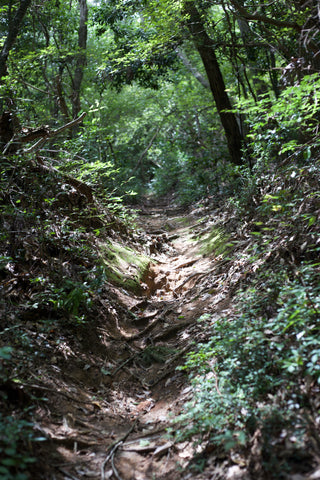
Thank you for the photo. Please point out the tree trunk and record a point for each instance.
(9, 123)
(205, 47)
(13, 31)
(197, 75)
(81, 59)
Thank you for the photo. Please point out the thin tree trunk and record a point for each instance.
(205, 47)
(60, 98)
(13, 31)
(81, 59)
(186, 62)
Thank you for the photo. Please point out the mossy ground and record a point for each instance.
(216, 241)
(124, 266)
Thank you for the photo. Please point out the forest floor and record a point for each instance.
(94, 365)
(113, 388)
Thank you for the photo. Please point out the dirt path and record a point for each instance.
(114, 399)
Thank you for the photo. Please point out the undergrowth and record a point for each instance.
(51, 278)
(17, 435)
(256, 381)
(260, 371)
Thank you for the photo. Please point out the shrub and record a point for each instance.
(255, 371)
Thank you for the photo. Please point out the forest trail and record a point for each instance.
(110, 404)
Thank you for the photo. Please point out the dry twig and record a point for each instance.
(48, 134)
(112, 450)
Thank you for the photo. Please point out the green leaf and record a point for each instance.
(144, 443)
(5, 353)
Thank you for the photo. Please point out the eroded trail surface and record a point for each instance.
(116, 392)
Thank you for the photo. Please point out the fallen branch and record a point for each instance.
(115, 471)
(149, 327)
(67, 474)
(123, 364)
(46, 134)
(156, 449)
(149, 435)
(81, 187)
(54, 391)
(36, 146)
(112, 450)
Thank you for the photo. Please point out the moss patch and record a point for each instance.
(124, 266)
(216, 241)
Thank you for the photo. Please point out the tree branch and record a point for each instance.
(263, 18)
(49, 134)
(145, 151)
(186, 62)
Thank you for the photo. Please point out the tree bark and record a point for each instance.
(81, 59)
(197, 75)
(206, 49)
(60, 98)
(264, 18)
(13, 31)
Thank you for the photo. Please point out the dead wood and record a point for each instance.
(123, 364)
(81, 187)
(55, 391)
(34, 133)
(12, 139)
(67, 474)
(54, 133)
(113, 448)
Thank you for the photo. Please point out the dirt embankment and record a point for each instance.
(111, 386)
